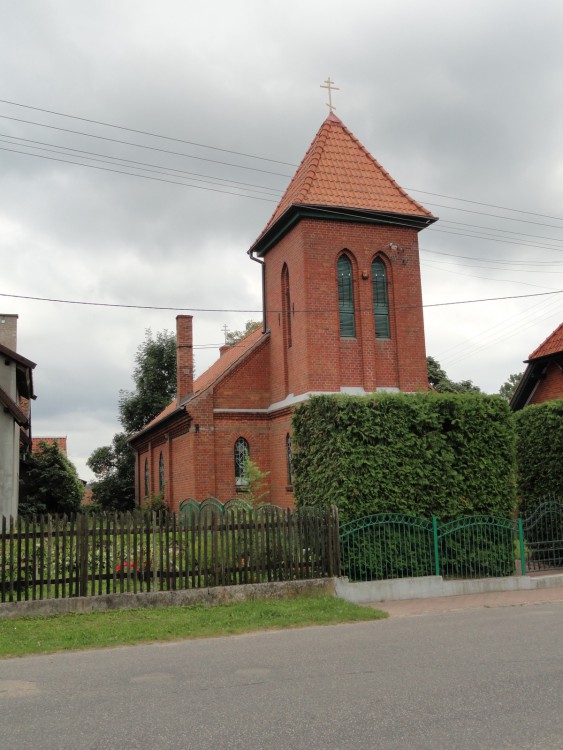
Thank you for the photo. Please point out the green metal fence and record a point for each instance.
(392, 545)
(543, 535)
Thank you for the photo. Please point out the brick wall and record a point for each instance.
(550, 386)
(318, 358)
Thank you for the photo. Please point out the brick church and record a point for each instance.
(342, 314)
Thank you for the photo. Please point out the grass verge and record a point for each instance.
(40, 635)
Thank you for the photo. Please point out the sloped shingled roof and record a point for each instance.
(338, 171)
(229, 359)
(552, 345)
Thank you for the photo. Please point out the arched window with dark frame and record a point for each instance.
(286, 306)
(380, 299)
(161, 472)
(289, 459)
(346, 297)
(147, 485)
(242, 454)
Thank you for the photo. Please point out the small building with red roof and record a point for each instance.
(342, 314)
(543, 378)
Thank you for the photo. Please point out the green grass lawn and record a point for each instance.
(40, 635)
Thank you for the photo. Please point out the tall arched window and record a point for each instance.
(147, 489)
(380, 299)
(242, 453)
(160, 472)
(286, 306)
(289, 459)
(346, 297)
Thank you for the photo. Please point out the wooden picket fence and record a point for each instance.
(56, 557)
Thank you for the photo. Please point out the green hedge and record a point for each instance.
(539, 450)
(427, 454)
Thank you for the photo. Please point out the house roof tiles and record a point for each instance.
(552, 345)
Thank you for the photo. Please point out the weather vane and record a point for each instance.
(331, 87)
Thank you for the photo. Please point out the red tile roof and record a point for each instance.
(60, 442)
(552, 345)
(338, 171)
(229, 359)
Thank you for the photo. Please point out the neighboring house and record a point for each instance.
(543, 378)
(342, 314)
(60, 442)
(16, 393)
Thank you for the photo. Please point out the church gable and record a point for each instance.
(338, 171)
(247, 384)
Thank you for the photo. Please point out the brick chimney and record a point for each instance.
(184, 356)
(9, 331)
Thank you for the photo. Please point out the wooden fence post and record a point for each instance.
(82, 527)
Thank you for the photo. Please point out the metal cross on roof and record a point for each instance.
(331, 87)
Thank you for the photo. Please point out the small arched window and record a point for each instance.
(289, 459)
(160, 472)
(380, 299)
(147, 489)
(286, 306)
(346, 297)
(242, 454)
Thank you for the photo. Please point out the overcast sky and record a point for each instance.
(462, 99)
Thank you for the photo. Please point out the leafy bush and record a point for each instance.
(539, 451)
(427, 454)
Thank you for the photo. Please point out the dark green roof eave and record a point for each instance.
(296, 212)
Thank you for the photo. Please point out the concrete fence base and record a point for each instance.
(357, 593)
(428, 586)
(209, 597)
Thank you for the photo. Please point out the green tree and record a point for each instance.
(155, 381)
(233, 337)
(49, 483)
(438, 379)
(155, 386)
(507, 389)
(257, 489)
(114, 467)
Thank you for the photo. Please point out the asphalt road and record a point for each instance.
(479, 679)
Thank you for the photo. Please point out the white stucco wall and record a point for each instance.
(9, 444)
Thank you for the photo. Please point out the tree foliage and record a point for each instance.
(233, 337)
(440, 382)
(114, 467)
(155, 381)
(155, 386)
(49, 483)
(507, 389)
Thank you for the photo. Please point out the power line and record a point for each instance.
(243, 195)
(140, 145)
(496, 216)
(496, 239)
(533, 264)
(483, 278)
(142, 176)
(255, 310)
(238, 166)
(254, 156)
(498, 229)
(123, 159)
(479, 203)
(146, 132)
